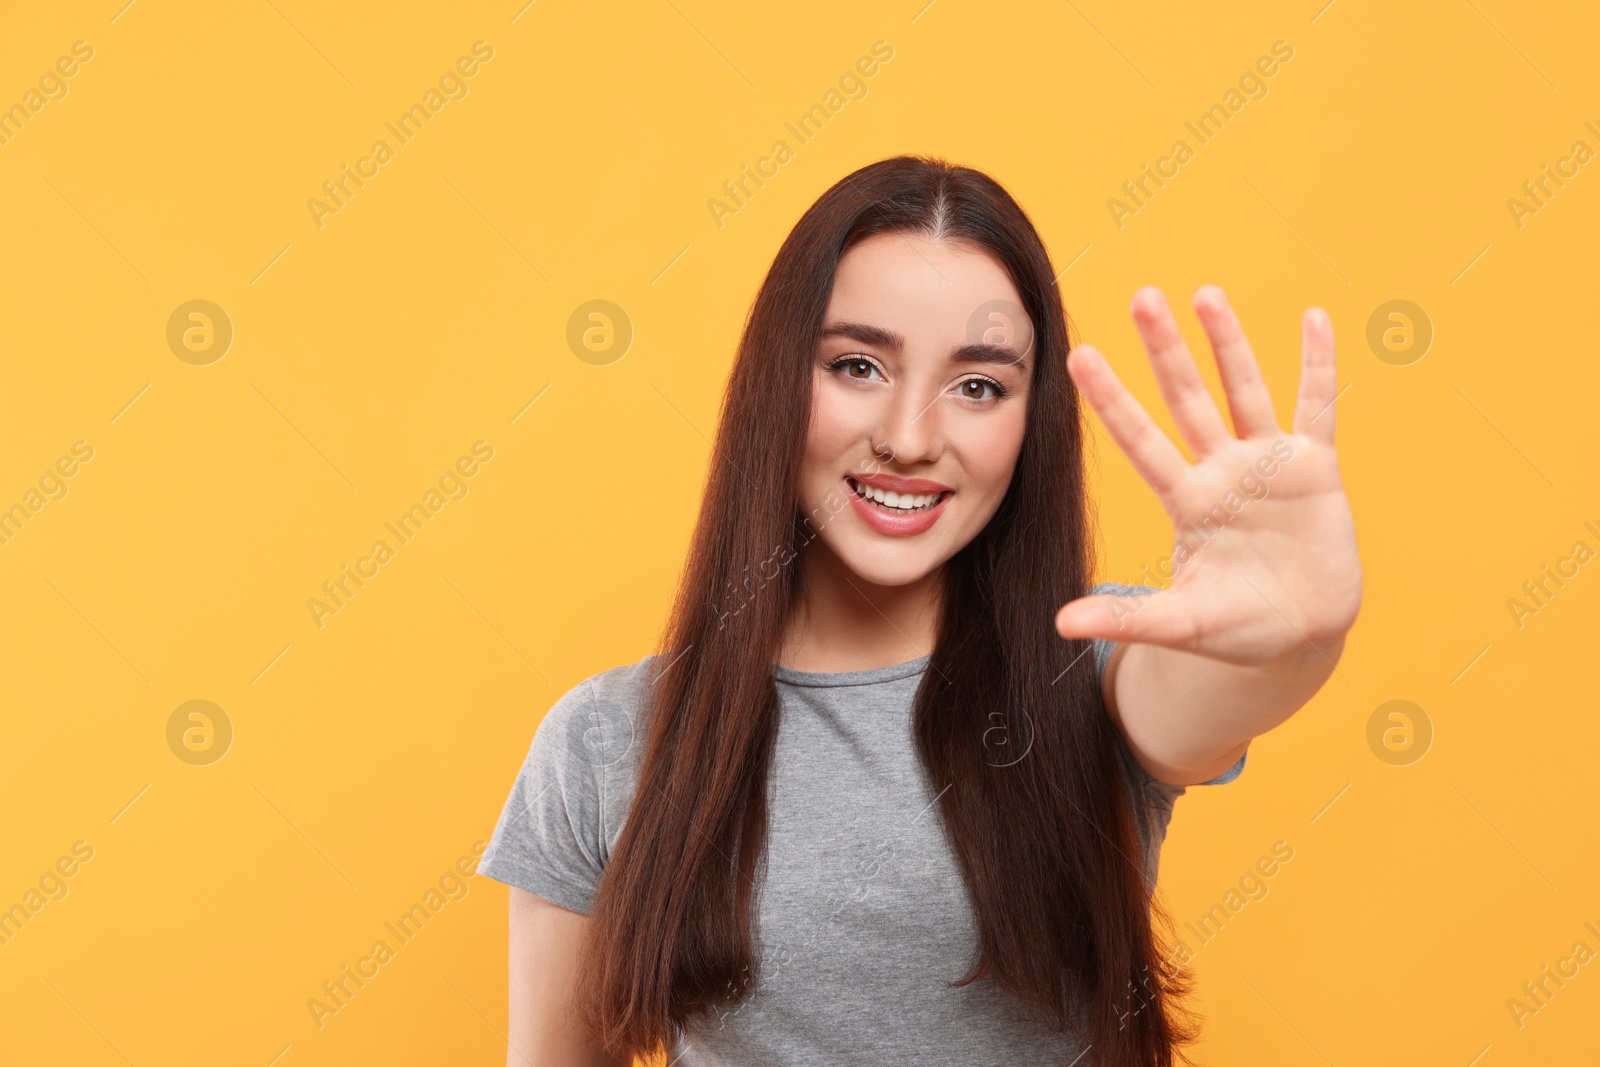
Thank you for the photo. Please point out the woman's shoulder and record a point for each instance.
(571, 796)
(597, 720)
(621, 686)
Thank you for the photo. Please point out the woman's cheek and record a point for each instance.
(988, 455)
(838, 426)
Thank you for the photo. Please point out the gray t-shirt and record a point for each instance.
(863, 917)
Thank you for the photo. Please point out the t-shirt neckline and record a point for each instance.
(870, 676)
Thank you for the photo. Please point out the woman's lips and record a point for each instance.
(892, 521)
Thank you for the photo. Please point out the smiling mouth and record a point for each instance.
(897, 503)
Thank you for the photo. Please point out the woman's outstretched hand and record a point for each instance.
(1264, 569)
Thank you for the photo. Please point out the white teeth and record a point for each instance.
(898, 501)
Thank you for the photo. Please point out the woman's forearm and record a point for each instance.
(1188, 718)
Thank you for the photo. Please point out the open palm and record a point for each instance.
(1264, 549)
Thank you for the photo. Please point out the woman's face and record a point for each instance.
(920, 397)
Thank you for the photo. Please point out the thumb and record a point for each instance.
(1151, 618)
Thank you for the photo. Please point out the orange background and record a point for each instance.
(368, 354)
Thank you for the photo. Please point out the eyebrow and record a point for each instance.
(880, 337)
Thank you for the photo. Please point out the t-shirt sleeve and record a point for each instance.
(1102, 654)
(549, 840)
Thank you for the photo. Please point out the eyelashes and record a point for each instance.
(1000, 391)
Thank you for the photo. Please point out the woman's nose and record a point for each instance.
(912, 424)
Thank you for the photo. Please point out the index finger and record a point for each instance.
(1151, 452)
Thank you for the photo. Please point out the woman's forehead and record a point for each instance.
(916, 286)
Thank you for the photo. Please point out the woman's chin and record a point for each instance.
(888, 565)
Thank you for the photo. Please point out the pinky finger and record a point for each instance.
(1319, 377)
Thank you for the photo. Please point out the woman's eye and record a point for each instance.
(859, 369)
(973, 389)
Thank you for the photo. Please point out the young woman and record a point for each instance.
(875, 801)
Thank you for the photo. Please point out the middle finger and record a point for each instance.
(1187, 396)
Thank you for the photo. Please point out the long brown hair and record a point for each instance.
(1047, 844)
